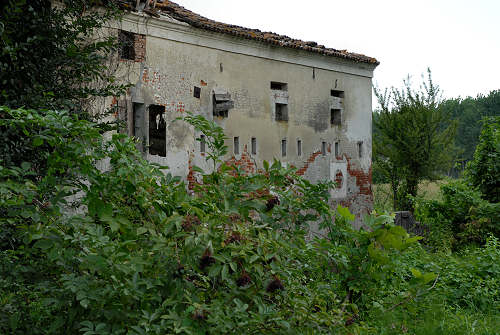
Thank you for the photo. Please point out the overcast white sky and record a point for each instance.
(458, 39)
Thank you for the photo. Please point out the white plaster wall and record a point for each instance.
(179, 57)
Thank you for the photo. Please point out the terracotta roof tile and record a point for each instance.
(181, 14)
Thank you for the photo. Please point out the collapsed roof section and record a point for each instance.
(177, 12)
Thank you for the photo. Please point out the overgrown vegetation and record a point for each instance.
(129, 250)
(469, 209)
(53, 55)
(469, 112)
(413, 139)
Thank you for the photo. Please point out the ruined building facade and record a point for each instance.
(307, 105)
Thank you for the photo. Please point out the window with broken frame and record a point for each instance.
(222, 103)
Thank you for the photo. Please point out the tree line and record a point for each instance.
(419, 136)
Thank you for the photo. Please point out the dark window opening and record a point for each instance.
(283, 147)
(299, 148)
(323, 148)
(127, 49)
(157, 131)
(197, 92)
(222, 103)
(236, 145)
(202, 143)
(254, 146)
(279, 86)
(337, 149)
(336, 117)
(281, 112)
(222, 113)
(360, 149)
(337, 94)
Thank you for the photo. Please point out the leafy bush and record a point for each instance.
(461, 218)
(128, 250)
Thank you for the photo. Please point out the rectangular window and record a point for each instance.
(157, 131)
(299, 148)
(254, 146)
(323, 148)
(337, 150)
(222, 103)
(283, 147)
(236, 145)
(336, 117)
(127, 49)
(337, 94)
(279, 86)
(360, 149)
(197, 92)
(281, 112)
(202, 143)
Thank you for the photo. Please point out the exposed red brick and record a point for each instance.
(191, 178)
(339, 178)
(363, 180)
(309, 161)
(139, 48)
(245, 162)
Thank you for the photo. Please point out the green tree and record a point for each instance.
(55, 56)
(469, 112)
(413, 138)
(484, 170)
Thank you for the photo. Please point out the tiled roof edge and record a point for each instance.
(184, 15)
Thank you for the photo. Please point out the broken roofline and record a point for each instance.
(195, 20)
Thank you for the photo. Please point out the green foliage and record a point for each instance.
(127, 250)
(483, 170)
(460, 218)
(52, 55)
(413, 139)
(469, 112)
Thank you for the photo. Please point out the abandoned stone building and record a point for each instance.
(276, 97)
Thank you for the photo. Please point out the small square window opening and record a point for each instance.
(323, 148)
(335, 117)
(360, 149)
(254, 146)
(281, 112)
(336, 93)
(279, 86)
(299, 148)
(197, 92)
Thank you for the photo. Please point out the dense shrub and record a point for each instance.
(460, 218)
(128, 250)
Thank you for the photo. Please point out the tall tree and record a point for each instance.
(52, 55)
(413, 138)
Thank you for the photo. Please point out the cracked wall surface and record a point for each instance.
(174, 65)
